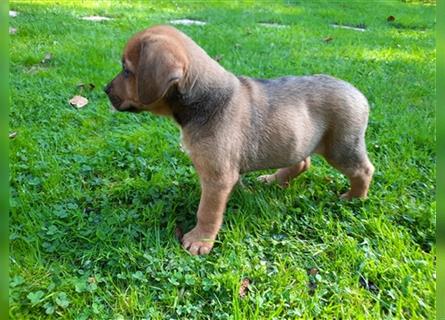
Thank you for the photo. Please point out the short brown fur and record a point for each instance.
(231, 125)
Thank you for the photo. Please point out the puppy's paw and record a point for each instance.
(272, 178)
(346, 196)
(197, 242)
(349, 196)
(267, 178)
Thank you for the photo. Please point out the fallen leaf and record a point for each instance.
(78, 102)
(391, 18)
(12, 30)
(244, 288)
(12, 135)
(312, 271)
(327, 39)
(47, 58)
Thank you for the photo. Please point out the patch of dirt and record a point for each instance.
(188, 22)
(95, 18)
(358, 27)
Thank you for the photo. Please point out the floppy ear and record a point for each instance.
(158, 69)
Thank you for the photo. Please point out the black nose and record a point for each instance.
(107, 88)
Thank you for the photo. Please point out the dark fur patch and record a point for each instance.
(272, 86)
(276, 90)
(256, 113)
(200, 108)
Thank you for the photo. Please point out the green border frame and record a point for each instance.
(440, 129)
(4, 152)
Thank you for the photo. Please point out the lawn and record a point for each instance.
(96, 196)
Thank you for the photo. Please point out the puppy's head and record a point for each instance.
(154, 61)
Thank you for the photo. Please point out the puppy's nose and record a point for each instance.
(107, 88)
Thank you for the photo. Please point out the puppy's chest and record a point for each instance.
(184, 144)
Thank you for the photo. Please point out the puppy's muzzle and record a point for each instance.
(115, 100)
(107, 89)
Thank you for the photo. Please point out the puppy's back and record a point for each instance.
(314, 92)
(294, 114)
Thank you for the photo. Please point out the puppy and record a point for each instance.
(231, 125)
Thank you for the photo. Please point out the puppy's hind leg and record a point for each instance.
(284, 176)
(360, 180)
(353, 163)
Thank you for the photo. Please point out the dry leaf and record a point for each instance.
(12, 135)
(312, 271)
(327, 39)
(78, 102)
(12, 30)
(244, 288)
(391, 18)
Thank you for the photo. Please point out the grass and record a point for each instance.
(96, 197)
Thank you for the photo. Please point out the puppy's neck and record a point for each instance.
(203, 96)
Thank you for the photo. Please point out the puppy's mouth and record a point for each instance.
(122, 106)
(115, 101)
(130, 108)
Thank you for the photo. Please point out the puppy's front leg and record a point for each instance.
(214, 196)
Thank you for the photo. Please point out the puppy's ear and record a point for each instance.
(160, 66)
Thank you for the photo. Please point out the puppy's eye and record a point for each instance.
(126, 73)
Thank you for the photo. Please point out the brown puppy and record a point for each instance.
(232, 125)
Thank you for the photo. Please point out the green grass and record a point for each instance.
(96, 196)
